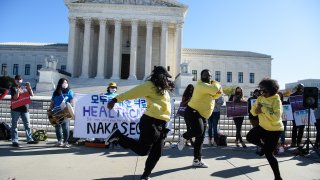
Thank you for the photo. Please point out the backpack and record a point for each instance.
(5, 131)
(39, 135)
(222, 140)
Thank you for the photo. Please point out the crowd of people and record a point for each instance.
(200, 107)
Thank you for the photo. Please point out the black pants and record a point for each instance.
(151, 141)
(197, 129)
(268, 140)
(297, 139)
(238, 122)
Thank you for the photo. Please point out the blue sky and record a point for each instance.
(288, 30)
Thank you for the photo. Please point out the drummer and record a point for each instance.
(62, 94)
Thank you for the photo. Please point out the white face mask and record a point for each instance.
(65, 85)
(112, 90)
(19, 81)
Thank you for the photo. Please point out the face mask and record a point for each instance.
(112, 90)
(65, 85)
(19, 81)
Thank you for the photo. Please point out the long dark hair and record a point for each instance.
(161, 81)
(59, 90)
(188, 91)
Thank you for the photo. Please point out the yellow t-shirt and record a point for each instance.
(271, 117)
(158, 106)
(203, 97)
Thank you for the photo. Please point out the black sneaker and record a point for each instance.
(260, 152)
(114, 136)
(32, 142)
(15, 144)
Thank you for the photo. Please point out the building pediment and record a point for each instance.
(162, 3)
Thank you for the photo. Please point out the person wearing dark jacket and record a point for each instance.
(238, 97)
(297, 131)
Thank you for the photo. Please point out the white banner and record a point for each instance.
(301, 117)
(94, 120)
(287, 113)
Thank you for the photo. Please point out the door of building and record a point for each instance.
(125, 66)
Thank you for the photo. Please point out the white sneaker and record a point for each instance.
(113, 136)
(58, 144)
(181, 142)
(197, 163)
(66, 145)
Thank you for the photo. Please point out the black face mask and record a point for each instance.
(205, 79)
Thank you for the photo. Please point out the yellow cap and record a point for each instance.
(112, 84)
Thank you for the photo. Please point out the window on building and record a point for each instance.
(240, 77)
(229, 77)
(63, 67)
(15, 69)
(194, 73)
(4, 69)
(39, 66)
(27, 69)
(217, 76)
(251, 78)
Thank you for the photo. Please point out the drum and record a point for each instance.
(57, 115)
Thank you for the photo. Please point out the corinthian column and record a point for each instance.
(116, 50)
(164, 41)
(101, 48)
(147, 68)
(86, 48)
(71, 45)
(178, 46)
(133, 50)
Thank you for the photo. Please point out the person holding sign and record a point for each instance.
(153, 122)
(62, 94)
(21, 111)
(297, 131)
(198, 110)
(237, 97)
(268, 108)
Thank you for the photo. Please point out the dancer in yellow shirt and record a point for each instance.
(153, 121)
(268, 108)
(198, 110)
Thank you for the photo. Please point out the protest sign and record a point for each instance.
(287, 113)
(296, 102)
(237, 109)
(94, 120)
(301, 117)
(24, 99)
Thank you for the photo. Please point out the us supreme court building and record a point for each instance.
(125, 39)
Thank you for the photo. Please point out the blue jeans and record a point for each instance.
(63, 129)
(213, 125)
(14, 125)
(283, 134)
